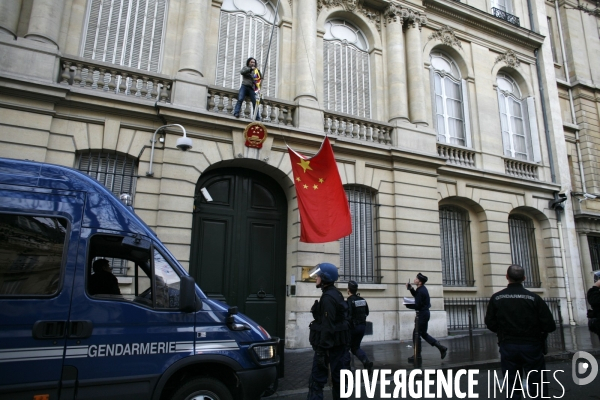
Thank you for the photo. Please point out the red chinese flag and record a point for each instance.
(324, 211)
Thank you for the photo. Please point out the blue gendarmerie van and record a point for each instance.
(161, 338)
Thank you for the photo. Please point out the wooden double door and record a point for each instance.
(239, 243)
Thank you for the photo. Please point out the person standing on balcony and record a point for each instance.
(251, 80)
(522, 321)
(422, 305)
(358, 310)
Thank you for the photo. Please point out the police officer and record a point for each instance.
(522, 321)
(422, 305)
(329, 333)
(358, 310)
(593, 297)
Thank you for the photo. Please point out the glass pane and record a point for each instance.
(167, 283)
(31, 253)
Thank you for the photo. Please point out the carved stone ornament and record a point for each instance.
(510, 58)
(349, 5)
(445, 35)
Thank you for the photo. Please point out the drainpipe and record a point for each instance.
(558, 206)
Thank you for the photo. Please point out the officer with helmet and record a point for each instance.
(329, 333)
(358, 310)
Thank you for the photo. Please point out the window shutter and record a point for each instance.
(506, 139)
(533, 130)
(467, 117)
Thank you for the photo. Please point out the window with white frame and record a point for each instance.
(245, 31)
(504, 5)
(346, 76)
(126, 32)
(357, 250)
(518, 121)
(450, 94)
(455, 238)
(523, 249)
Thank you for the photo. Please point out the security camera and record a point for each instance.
(558, 202)
(184, 143)
(589, 196)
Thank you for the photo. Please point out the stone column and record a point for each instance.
(396, 68)
(308, 113)
(416, 92)
(45, 21)
(193, 39)
(9, 16)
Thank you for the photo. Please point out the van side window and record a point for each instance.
(167, 283)
(31, 254)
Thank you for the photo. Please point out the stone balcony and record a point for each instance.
(363, 129)
(521, 169)
(459, 156)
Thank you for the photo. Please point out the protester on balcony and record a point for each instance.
(522, 321)
(251, 80)
(593, 297)
(422, 305)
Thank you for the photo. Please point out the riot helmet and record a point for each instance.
(328, 272)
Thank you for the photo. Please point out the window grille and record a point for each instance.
(455, 236)
(118, 173)
(357, 251)
(244, 34)
(594, 245)
(346, 76)
(448, 100)
(523, 249)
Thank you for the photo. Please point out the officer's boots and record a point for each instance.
(368, 364)
(443, 349)
(411, 359)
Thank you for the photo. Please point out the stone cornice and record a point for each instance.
(471, 16)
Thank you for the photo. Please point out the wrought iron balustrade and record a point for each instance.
(498, 13)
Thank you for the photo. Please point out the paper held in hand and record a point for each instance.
(408, 300)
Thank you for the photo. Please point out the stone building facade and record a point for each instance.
(454, 125)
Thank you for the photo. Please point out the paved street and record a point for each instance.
(484, 356)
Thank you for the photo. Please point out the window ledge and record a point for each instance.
(125, 280)
(536, 289)
(460, 289)
(365, 286)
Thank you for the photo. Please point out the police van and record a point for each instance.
(160, 338)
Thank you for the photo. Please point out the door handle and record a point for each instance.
(49, 329)
(80, 329)
(261, 294)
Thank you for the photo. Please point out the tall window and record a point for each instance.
(594, 245)
(504, 5)
(126, 32)
(514, 120)
(455, 237)
(245, 31)
(346, 69)
(523, 249)
(449, 92)
(357, 256)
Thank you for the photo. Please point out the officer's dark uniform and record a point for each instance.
(593, 297)
(522, 321)
(330, 338)
(422, 305)
(358, 310)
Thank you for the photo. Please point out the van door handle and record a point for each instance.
(49, 329)
(80, 329)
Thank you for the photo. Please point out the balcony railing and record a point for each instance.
(223, 100)
(457, 155)
(344, 125)
(506, 16)
(520, 169)
(111, 78)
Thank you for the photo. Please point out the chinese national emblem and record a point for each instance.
(255, 135)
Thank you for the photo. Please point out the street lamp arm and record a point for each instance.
(150, 172)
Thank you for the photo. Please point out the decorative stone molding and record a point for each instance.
(354, 6)
(445, 35)
(509, 58)
(415, 19)
(373, 15)
(397, 13)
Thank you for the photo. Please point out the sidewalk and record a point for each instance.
(393, 355)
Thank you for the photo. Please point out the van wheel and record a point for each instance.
(203, 389)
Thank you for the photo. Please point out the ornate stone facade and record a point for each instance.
(509, 58)
(445, 35)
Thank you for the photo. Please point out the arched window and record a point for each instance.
(449, 91)
(346, 77)
(455, 238)
(126, 32)
(245, 31)
(357, 251)
(523, 249)
(519, 131)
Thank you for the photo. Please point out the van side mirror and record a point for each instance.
(187, 294)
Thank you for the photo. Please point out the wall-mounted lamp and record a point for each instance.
(183, 143)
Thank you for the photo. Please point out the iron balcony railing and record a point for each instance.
(498, 13)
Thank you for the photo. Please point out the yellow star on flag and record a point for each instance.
(321, 180)
(305, 165)
(315, 187)
(305, 186)
(298, 179)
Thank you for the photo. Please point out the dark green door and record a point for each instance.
(239, 243)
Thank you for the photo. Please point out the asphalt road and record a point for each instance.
(561, 386)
